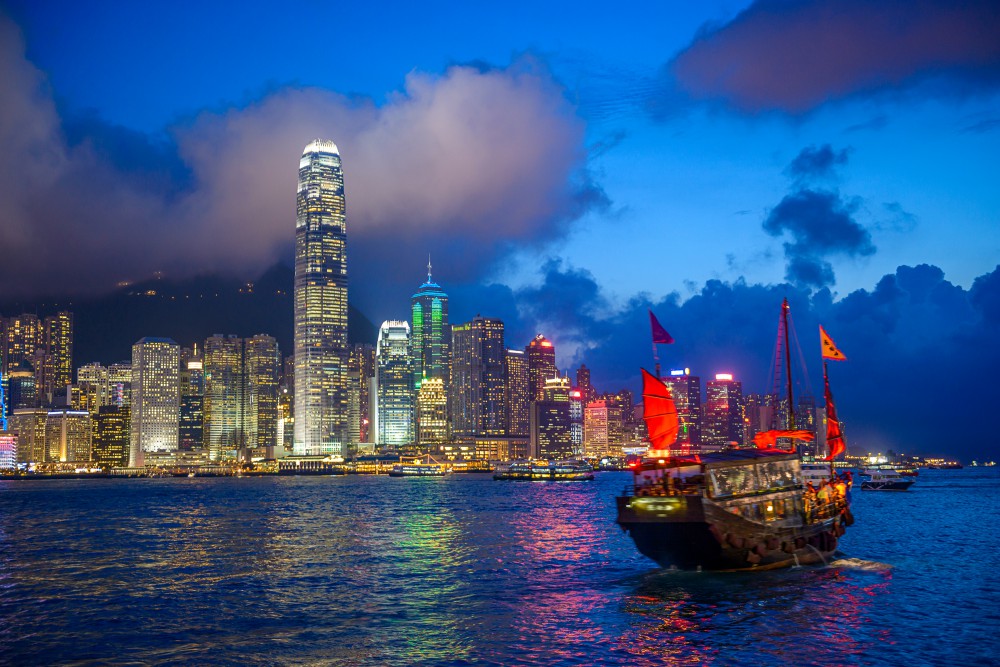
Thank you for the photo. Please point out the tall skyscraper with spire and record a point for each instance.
(321, 350)
(431, 335)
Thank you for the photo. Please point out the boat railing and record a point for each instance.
(823, 510)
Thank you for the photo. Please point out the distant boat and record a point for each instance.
(545, 471)
(881, 479)
(739, 509)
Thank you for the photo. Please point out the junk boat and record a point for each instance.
(546, 471)
(882, 479)
(740, 509)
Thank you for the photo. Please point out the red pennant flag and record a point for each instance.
(660, 334)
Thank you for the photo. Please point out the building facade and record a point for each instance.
(723, 414)
(320, 303)
(478, 398)
(431, 335)
(519, 393)
(395, 386)
(223, 403)
(155, 390)
(686, 391)
(541, 364)
(262, 364)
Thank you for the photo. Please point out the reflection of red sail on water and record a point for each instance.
(732, 509)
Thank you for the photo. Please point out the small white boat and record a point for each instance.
(885, 480)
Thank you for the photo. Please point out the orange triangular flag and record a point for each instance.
(830, 350)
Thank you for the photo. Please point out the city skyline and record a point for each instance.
(564, 190)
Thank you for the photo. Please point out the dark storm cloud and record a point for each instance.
(796, 56)
(917, 346)
(814, 163)
(466, 163)
(819, 223)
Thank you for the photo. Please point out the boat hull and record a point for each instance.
(895, 485)
(684, 533)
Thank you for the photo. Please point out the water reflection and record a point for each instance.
(802, 616)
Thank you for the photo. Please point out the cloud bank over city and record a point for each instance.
(467, 163)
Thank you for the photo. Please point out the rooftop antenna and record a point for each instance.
(428, 267)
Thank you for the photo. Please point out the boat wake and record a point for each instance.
(860, 564)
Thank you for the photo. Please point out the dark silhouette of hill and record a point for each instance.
(187, 311)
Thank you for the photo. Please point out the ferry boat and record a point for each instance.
(740, 509)
(426, 466)
(881, 479)
(545, 471)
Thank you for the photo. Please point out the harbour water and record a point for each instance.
(465, 570)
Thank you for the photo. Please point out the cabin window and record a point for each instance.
(734, 481)
(777, 475)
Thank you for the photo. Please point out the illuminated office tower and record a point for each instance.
(395, 385)
(94, 380)
(29, 424)
(120, 383)
(58, 334)
(320, 327)
(67, 435)
(587, 391)
(595, 429)
(191, 427)
(111, 437)
(22, 335)
(541, 364)
(576, 406)
(20, 391)
(363, 362)
(432, 414)
(262, 361)
(723, 418)
(519, 395)
(45, 384)
(223, 405)
(155, 398)
(431, 340)
(686, 391)
(478, 400)
(550, 425)
(617, 414)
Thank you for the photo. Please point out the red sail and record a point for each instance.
(834, 436)
(769, 439)
(659, 412)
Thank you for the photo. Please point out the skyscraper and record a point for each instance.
(550, 423)
(321, 350)
(111, 437)
(686, 391)
(541, 364)
(395, 385)
(223, 404)
(192, 387)
(478, 384)
(431, 336)
(363, 361)
(519, 394)
(587, 391)
(21, 339)
(155, 397)
(59, 342)
(260, 413)
(432, 414)
(723, 422)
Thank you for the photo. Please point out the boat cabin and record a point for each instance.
(760, 485)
